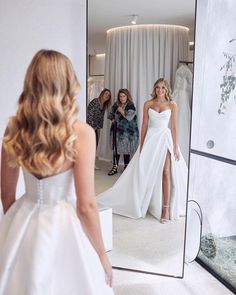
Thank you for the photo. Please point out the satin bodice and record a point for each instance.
(49, 190)
(159, 120)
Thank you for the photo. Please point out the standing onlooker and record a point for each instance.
(124, 129)
(96, 111)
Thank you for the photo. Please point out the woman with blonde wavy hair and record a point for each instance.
(155, 180)
(48, 246)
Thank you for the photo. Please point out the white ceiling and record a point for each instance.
(106, 14)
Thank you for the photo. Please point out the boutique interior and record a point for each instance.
(130, 44)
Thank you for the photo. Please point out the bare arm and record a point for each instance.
(84, 185)
(9, 178)
(174, 129)
(144, 123)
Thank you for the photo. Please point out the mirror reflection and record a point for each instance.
(139, 104)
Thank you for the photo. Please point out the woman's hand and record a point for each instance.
(121, 111)
(107, 268)
(176, 153)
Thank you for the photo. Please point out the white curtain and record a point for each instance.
(136, 56)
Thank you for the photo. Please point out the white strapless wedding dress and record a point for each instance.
(43, 249)
(139, 188)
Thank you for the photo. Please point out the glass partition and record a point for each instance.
(213, 141)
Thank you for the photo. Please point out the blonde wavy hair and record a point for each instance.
(40, 137)
(168, 96)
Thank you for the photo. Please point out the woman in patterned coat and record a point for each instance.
(96, 110)
(124, 129)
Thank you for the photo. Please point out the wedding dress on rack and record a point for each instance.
(139, 188)
(95, 86)
(182, 95)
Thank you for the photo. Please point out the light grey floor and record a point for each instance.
(136, 254)
(196, 281)
(148, 245)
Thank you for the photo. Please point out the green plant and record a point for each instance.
(229, 80)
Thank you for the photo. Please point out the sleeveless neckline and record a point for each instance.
(50, 176)
(159, 112)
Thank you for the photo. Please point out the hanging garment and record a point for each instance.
(139, 188)
(44, 250)
(95, 86)
(182, 95)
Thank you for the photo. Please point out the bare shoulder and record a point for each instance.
(148, 104)
(173, 105)
(83, 130)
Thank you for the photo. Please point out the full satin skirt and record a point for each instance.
(44, 251)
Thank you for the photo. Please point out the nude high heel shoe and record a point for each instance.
(165, 220)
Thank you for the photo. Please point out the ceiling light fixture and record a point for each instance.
(148, 26)
(100, 55)
(134, 19)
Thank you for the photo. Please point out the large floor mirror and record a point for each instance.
(130, 46)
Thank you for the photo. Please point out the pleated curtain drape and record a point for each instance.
(136, 56)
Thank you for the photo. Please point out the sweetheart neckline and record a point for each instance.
(50, 176)
(159, 112)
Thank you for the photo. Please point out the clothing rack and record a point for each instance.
(185, 62)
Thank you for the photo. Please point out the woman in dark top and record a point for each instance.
(124, 129)
(96, 110)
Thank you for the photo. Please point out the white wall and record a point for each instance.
(212, 183)
(27, 26)
(212, 41)
(97, 64)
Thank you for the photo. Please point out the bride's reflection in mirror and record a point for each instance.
(155, 181)
(148, 197)
(152, 187)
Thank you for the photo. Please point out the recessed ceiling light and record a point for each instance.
(134, 19)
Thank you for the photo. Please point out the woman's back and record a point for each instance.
(44, 249)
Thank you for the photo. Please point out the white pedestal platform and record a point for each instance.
(105, 214)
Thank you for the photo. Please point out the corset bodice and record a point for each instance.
(159, 120)
(51, 189)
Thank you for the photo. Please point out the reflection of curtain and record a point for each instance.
(182, 95)
(95, 86)
(136, 56)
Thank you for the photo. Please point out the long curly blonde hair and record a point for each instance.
(168, 95)
(40, 137)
